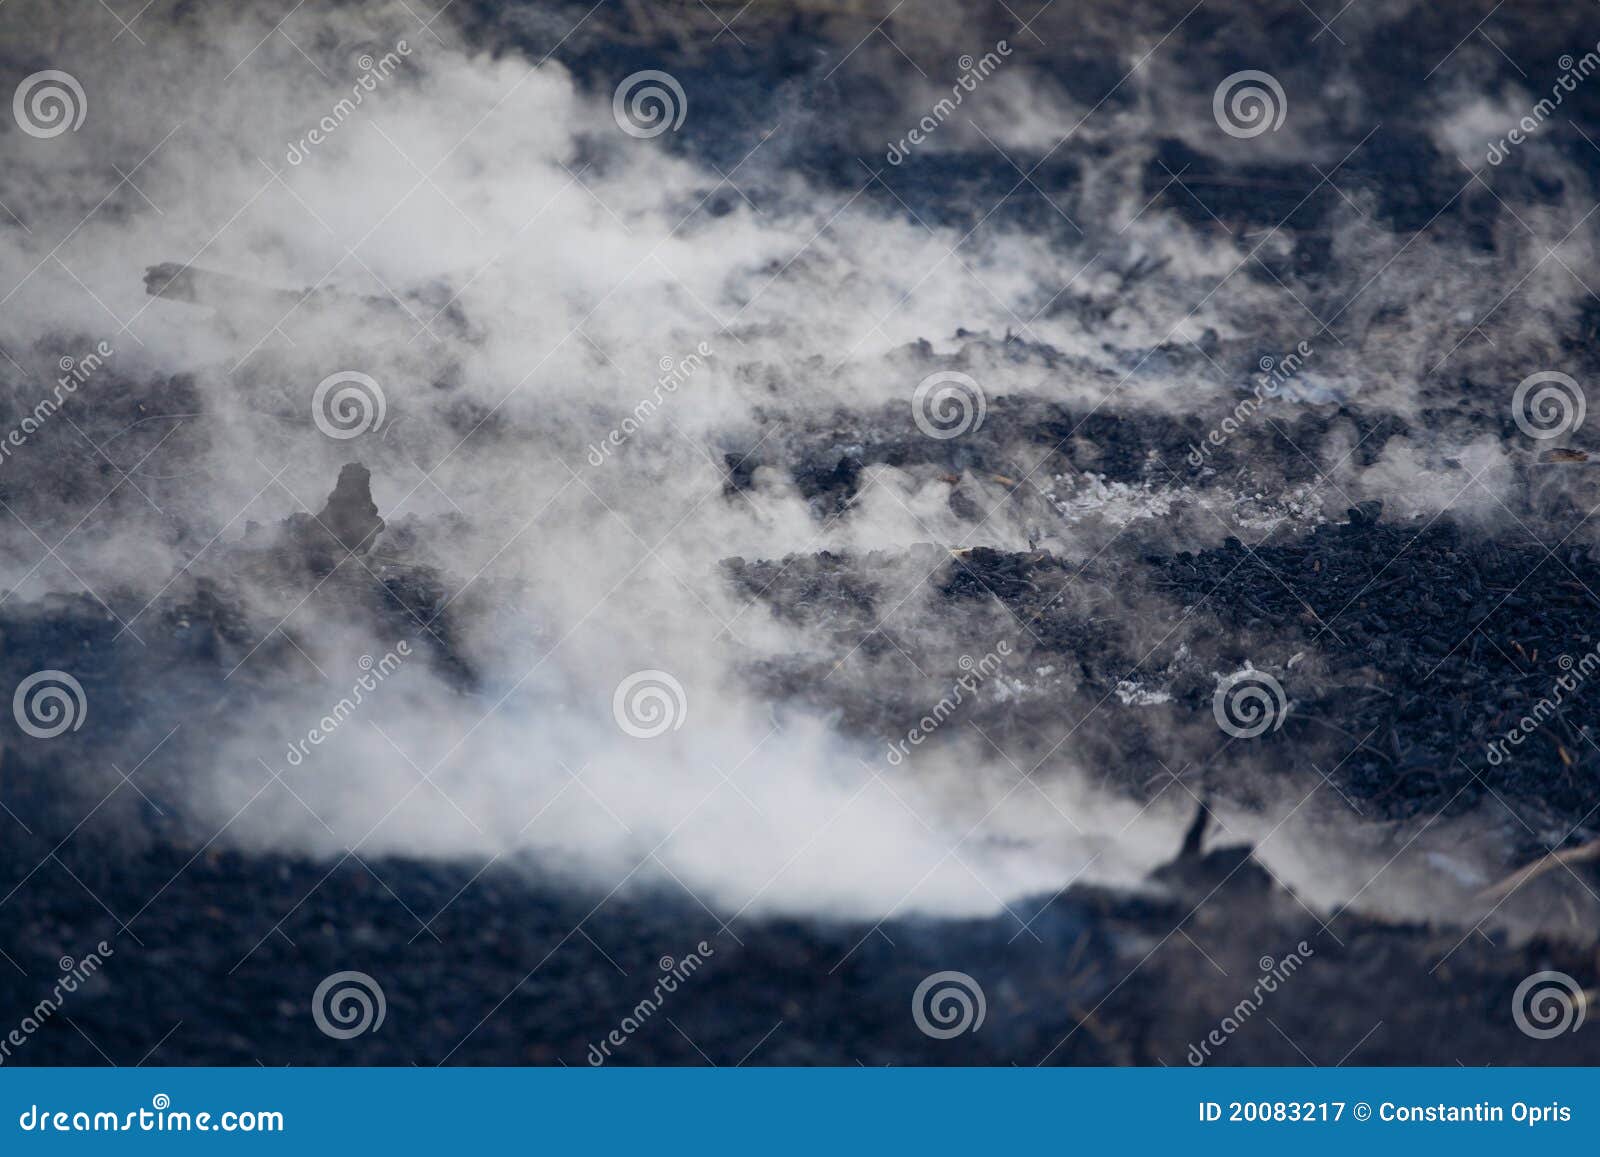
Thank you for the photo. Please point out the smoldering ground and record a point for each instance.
(484, 242)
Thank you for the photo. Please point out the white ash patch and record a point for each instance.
(1135, 694)
(1301, 505)
(1007, 689)
(1076, 497)
(1082, 497)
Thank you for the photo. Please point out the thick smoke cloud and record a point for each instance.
(517, 275)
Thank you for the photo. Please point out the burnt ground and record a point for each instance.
(1426, 638)
(1429, 640)
(231, 950)
(1403, 642)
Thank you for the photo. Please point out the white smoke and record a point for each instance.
(513, 271)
